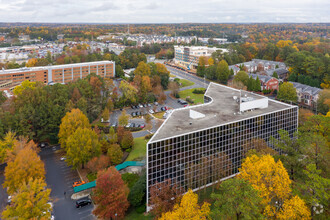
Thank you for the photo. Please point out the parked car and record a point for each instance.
(43, 144)
(77, 183)
(145, 105)
(133, 107)
(132, 125)
(151, 111)
(142, 125)
(137, 113)
(140, 105)
(9, 200)
(63, 158)
(128, 125)
(163, 108)
(83, 202)
(137, 107)
(114, 124)
(133, 114)
(156, 103)
(149, 105)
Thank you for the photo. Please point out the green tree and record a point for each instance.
(287, 92)
(250, 85)
(243, 77)
(82, 145)
(137, 194)
(112, 136)
(223, 71)
(127, 141)
(257, 86)
(129, 92)
(293, 149)
(275, 75)
(315, 188)
(106, 114)
(30, 202)
(236, 198)
(123, 118)
(323, 102)
(115, 154)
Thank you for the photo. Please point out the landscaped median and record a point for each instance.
(196, 98)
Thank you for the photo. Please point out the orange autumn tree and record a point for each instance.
(188, 209)
(110, 195)
(272, 181)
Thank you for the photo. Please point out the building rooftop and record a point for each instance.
(24, 69)
(223, 108)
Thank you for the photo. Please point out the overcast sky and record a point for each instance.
(164, 11)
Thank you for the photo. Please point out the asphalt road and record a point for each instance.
(198, 81)
(59, 178)
(3, 193)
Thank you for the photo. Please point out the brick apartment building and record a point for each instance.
(55, 74)
(267, 82)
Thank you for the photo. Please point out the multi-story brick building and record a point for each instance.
(267, 82)
(55, 74)
(307, 95)
(200, 145)
(189, 56)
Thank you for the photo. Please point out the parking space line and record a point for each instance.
(88, 210)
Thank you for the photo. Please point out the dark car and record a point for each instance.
(138, 113)
(83, 202)
(145, 105)
(132, 125)
(133, 107)
(137, 107)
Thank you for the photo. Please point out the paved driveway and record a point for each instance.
(59, 178)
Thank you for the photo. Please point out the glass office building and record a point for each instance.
(200, 145)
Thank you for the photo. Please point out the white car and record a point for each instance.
(63, 158)
(128, 125)
(9, 200)
(151, 111)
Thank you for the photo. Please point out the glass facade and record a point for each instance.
(203, 157)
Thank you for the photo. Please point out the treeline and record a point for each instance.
(36, 110)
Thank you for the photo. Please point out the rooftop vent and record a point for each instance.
(195, 115)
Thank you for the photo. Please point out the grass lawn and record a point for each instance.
(139, 150)
(133, 215)
(159, 115)
(185, 83)
(171, 75)
(197, 98)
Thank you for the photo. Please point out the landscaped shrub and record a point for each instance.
(141, 209)
(130, 179)
(189, 100)
(148, 136)
(198, 91)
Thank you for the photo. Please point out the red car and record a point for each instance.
(142, 125)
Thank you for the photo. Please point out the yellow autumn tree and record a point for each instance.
(70, 123)
(7, 145)
(188, 209)
(210, 61)
(270, 178)
(294, 208)
(27, 164)
(31, 62)
(24, 85)
(31, 202)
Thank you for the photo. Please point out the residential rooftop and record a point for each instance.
(223, 108)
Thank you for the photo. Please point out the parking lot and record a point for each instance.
(59, 178)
